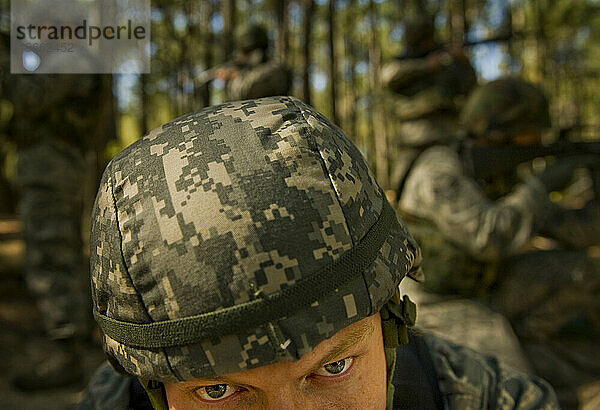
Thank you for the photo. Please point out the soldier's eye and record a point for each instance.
(336, 368)
(216, 391)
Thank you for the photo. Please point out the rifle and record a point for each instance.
(485, 161)
(208, 75)
(502, 38)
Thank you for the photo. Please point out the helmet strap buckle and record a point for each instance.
(396, 317)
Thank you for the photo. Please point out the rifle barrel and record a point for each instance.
(485, 161)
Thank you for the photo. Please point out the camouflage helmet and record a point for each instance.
(238, 236)
(504, 108)
(250, 37)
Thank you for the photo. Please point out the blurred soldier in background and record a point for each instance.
(252, 74)
(57, 120)
(6, 188)
(430, 85)
(477, 235)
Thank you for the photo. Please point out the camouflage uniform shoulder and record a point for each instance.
(110, 390)
(396, 74)
(441, 152)
(434, 173)
(470, 380)
(435, 160)
(267, 79)
(106, 390)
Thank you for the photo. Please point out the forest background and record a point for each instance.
(335, 49)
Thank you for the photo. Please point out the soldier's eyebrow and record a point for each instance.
(205, 381)
(350, 337)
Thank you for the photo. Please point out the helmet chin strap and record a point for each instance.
(397, 315)
(156, 394)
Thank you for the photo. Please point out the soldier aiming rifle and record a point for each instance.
(252, 74)
(478, 234)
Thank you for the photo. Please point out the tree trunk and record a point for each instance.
(107, 131)
(377, 117)
(351, 84)
(540, 40)
(282, 46)
(420, 7)
(459, 24)
(228, 12)
(189, 53)
(309, 8)
(144, 106)
(332, 62)
(511, 32)
(7, 197)
(207, 39)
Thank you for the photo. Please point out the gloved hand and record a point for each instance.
(573, 228)
(556, 176)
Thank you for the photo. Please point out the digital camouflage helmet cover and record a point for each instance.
(238, 236)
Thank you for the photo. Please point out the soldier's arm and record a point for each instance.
(397, 74)
(439, 190)
(574, 228)
(470, 380)
(429, 100)
(107, 389)
(265, 80)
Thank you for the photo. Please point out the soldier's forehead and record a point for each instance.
(356, 335)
